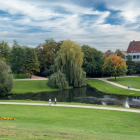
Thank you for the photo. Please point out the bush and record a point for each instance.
(58, 80)
(6, 80)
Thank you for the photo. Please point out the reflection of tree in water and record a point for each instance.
(77, 94)
(84, 95)
(94, 92)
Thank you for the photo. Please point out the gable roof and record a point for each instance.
(134, 47)
(123, 52)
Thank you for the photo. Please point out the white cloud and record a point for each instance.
(28, 15)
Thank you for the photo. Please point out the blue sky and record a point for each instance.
(103, 24)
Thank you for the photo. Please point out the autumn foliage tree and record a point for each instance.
(114, 65)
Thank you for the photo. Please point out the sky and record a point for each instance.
(102, 24)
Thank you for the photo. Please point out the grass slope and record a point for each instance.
(133, 81)
(109, 88)
(45, 122)
(27, 86)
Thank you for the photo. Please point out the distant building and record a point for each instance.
(134, 50)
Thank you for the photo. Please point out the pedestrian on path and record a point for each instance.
(50, 102)
(55, 101)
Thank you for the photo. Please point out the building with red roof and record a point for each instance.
(134, 50)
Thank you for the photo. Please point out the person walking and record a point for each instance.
(50, 102)
(55, 101)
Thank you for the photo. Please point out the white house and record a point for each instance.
(134, 50)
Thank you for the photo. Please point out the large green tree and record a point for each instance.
(30, 62)
(5, 51)
(69, 62)
(46, 53)
(6, 80)
(114, 65)
(93, 61)
(16, 58)
(130, 65)
(137, 67)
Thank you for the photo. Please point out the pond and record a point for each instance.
(80, 95)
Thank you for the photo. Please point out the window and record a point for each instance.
(131, 51)
(138, 56)
(134, 56)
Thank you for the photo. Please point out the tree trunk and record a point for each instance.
(115, 77)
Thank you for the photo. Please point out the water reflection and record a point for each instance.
(80, 95)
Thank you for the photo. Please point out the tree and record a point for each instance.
(6, 80)
(5, 51)
(130, 65)
(108, 53)
(119, 53)
(16, 58)
(69, 62)
(92, 61)
(114, 65)
(46, 53)
(137, 67)
(30, 62)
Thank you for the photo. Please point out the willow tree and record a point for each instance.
(69, 61)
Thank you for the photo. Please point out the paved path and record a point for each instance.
(34, 77)
(115, 84)
(78, 106)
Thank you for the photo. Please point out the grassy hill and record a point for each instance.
(111, 89)
(47, 122)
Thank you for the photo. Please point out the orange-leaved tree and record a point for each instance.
(114, 65)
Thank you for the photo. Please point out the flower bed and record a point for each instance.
(6, 118)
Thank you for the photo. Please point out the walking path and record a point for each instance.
(78, 106)
(34, 77)
(115, 84)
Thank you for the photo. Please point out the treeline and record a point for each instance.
(132, 67)
(41, 59)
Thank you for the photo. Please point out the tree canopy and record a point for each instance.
(5, 51)
(16, 58)
(46, 53)
(30, 62)
(130, 65)
(69, 61)
(114, 65)
(6, 80)
(92, 61)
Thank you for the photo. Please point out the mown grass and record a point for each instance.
(33, 86)
(20, 76)
(47, 122)
(111, 89)
(134, 82)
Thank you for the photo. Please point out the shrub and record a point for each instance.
(58, 80)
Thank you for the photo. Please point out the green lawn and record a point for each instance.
(27, 86)
(133, 81)
(62, 123)
(109, 88)
(20, 76)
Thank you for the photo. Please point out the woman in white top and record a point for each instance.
(49, 101)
